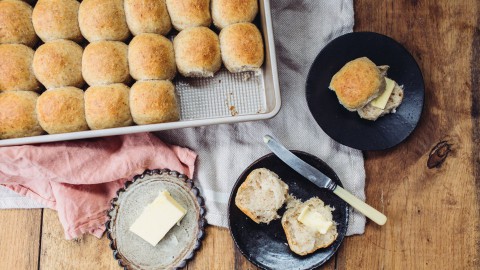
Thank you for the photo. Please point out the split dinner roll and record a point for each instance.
(147, 16)
(107, 106)
(189, 13)
(105, 62)
(227, 12)
(242, 47)
(151, 57)
(62, 110)
(358, 82)
(17, 115)
(103, 20)
(58, 63)
(197, 52)
(16, 68)
(153, 102)
(16, 23)
(57, 19)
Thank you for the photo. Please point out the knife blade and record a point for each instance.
(300, 166)
(321, 180)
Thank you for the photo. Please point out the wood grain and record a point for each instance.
(217, 251)
(433, 213)
(20, 238)
(58, 253)
(475, 85)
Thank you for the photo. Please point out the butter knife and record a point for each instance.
(322, 181)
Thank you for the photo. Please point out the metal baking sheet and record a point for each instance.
(224, 98)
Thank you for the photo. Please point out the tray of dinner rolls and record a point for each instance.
(80, 69)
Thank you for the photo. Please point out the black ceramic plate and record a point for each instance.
(347, 127)
(266, 245)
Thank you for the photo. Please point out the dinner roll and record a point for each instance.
(106, 106)
(16, 23)
(151, 57)
(103, 20)
(358, 82)
(189, 13)
(301, 238)
(242, 47)
(16, 68)
(56, 19)
(147, 16)
(58, 63)
(226, 12)
(197, 52)
(105, 62)
(17, 115)
(261, 195)
(153, 102)
(62, 110)
(372, 113)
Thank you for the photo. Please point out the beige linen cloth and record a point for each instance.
(301, 29)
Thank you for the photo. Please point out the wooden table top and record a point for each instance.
(433, 213)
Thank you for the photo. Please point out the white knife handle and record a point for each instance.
(361, 206)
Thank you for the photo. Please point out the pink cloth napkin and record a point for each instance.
(79, 178)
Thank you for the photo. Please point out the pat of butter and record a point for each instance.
(158, 218)
(313, 219)
(381, 101)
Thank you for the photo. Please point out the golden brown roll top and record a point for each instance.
(357, 83)
(147, 16)
(105, 62)
(17, 115)
(103, 20)
(107, 106)
(16, 71)
(189, 13)
(227, 12)
(16, 23)
(153, 102)
(151, 57)
(197, 52)
(62, 110)
(242, 47)
(57, 19)
(58, 63)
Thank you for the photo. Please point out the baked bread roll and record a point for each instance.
(242, 47)
(62, 110)
(151, 57)
(227, 12)
(107, 106)
(17, 115)
(357, 83)
(261, 195)
(302, 239)
(147, 16)
(189, 13)
(372, 113)
(153, 102)
(57, 19)
(103, 20)
(58, 63)
(105, 62)
(197, 52)
(16, 68)
(16, 23)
